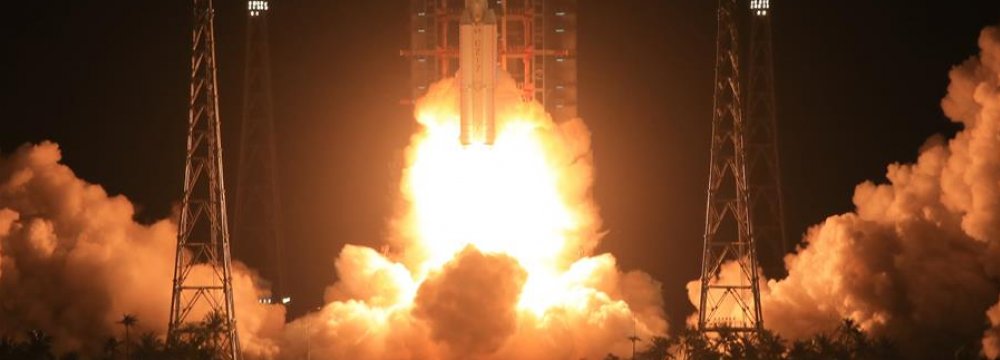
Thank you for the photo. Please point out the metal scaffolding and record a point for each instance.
(728, 303)
(763, 170)
(537, 48)
(202, 283)
(257, 215)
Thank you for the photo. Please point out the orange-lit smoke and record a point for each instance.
(918, 260)
(491, 255)
(73, 261)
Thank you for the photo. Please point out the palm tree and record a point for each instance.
(111, 348)
(39, 345)
(215, 325)
(659, 349)
(692, 344)
(8, 347)
(150, 347)
(128, 321)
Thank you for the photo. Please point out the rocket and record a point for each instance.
(477, 73)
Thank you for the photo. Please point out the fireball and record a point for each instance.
(492, 251)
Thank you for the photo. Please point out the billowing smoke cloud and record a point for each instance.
(516, 280)
(470, 306)
(467, 310)
(455, 286)
(918, 260)
(73, 260)
(991, 340)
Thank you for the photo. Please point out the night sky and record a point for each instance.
(858, 88)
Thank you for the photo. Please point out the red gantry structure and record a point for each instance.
(537, 45)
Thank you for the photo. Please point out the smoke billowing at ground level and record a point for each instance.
(491, 256)
(491, 253)
(918, 260)
(73, 260)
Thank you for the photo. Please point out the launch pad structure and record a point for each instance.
(766, 200)
(202, 283)
(537, 45)
(257, 214)
(744, 207)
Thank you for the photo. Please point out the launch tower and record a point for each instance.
(202, 274)
(767, 213)
(257, 214)
(728, 303)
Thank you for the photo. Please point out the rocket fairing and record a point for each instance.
(477, 73)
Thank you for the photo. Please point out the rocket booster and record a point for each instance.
(477, 73)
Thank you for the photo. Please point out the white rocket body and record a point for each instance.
(477, 73)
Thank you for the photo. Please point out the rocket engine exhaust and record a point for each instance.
(477, 73)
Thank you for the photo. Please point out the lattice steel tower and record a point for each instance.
(728, 303)
(761, 133)
(257, 214)
(202, 275)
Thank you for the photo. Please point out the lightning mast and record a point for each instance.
(763, 171)
(727, 303)
(257, 214)
(202, 274)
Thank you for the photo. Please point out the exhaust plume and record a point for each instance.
(491, 256)
(491, 253)
(472, 320)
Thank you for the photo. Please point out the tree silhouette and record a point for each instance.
(847, 341)
(8, 347)
(202, 341)
(691, 344)
(659, 349)
(128, 321)
(150, 347)
(215, 326)
(111, 348)
(199, 341)
(39, 345)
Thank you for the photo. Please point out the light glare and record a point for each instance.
(257, 7)
(760, 7)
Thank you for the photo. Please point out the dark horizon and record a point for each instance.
(858, 88)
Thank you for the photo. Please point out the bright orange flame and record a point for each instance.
(503, 198)
(526, 197)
